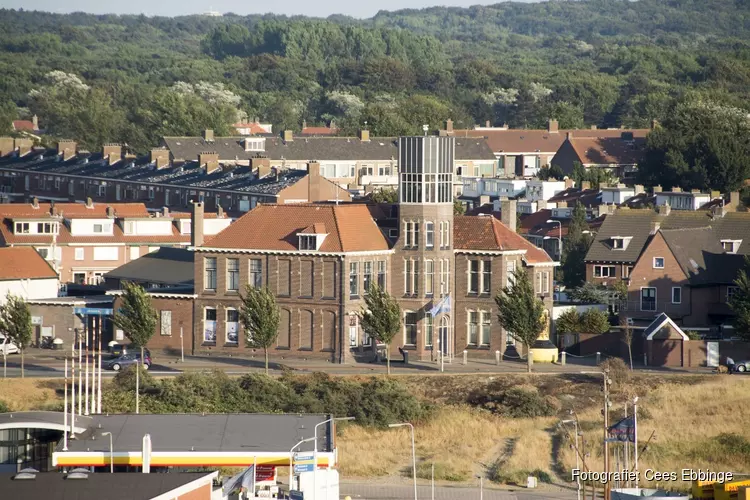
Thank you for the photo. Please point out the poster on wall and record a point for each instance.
(166, 322)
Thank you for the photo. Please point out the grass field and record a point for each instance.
(698, 422)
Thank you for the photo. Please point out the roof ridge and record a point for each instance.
(493, 223)
(675, 229)
(338, 229)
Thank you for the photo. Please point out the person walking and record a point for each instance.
(730, 365)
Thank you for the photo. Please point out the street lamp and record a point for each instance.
(559, 236)
(481, 487)
(578, 466)
(111, 453)
(291, 457)
(413, 454)
(315, 452)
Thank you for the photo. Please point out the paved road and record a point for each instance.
(379, 491)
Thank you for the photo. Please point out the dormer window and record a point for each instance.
(255, 144)
(311, 238)
(22, 228)
(620, 242)
(731, 246)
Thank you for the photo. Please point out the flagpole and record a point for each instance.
(635, 444)
(627, 450)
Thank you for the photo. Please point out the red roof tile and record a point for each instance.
(71, 210)
(350, 228)
(319, 131)
(26, 125)
(526, 141)
(608, 150)
(23, 263)
(488, 233)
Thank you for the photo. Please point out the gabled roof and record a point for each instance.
(635, 223)
(349, 226)
(169, 266)
(488, 233)
(25, 125)
(23, 263)
(608, 150)
(71, 210)
(571, 196)
(543, 141)
(660, 322)
(701, 256)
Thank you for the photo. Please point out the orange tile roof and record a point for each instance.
(23, 263)
(254, 127)
(71, 210)
(186, 215)
(608, 150)
(320, 130)
(350, 228)
(488, 233)
(26, 125)
(544, 141)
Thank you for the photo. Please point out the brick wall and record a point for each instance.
(201, 493)
(60, 318)
(166, 338)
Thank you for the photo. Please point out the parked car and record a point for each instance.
(7, 347)
(742, 366)
(117, 363)
(120, 349)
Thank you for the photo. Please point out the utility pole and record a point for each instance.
(607, 381)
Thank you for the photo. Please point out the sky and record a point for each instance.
(318, 8)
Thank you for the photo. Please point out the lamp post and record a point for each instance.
(559, 237)
(291, 459)
(111, 453)
(413, 454)
(481, 487)
(315, 452)
(182, 345)
(578, 466)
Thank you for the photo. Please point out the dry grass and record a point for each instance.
(31, 394)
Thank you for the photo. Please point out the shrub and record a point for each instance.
(125, 379)
(4, 408)
(619, 372)
(518, 477)
(516, 402)
(443, 472)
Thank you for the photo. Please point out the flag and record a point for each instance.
(443, 306)
(240, 480)
(622, 431)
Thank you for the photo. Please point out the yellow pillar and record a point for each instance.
(544, 350)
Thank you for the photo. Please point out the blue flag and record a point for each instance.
(622, 431)
(444, 306)
(244, 479)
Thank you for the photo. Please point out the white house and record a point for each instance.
(26, 274)
(537, 190)
(682, 200)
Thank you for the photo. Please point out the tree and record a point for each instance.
(740, 302)
(590, 293)
(458, 207)
(551, 172)
(594, 321)
(575, 246)
(385, 195)
(579, 173)
(627, 338)
(137, 318)
(381, 318)
(259, 315)
(15, 323)
(568, 322)
(521, 313)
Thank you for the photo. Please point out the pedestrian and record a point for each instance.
(730, 365)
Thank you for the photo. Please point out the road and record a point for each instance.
(381, 491)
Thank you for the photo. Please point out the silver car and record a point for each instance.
(742, 366)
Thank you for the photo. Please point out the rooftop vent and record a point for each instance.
(77, 475)
(79, 470)
(24, 476)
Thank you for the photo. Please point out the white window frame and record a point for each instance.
(252, 274)
(416, 328)
(205, 273)
(429, 235)
(429, 326)
(227, 324)
(135, 252)
(237, 260)
(662, 263)
(655, 298)
(485, 278)
(381, 267)
(679, 288)
(510, 269)
(469, 323)
(367, 276)
(471, 274)
(429, 277)
(353, 273)
(600, 268)
(209, 340)
(488, 316)
(80, 253)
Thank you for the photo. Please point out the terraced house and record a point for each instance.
(320, 259)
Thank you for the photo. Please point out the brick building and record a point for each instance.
(320, 259)
(82, 242)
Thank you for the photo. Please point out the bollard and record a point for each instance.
(563, 355)
(531, 358)
(645, 359)
(466, 356)
(497, 358)
(598, 358)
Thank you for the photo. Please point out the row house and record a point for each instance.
(112, 176)
(83, 241)
(619, 154)
(319, 260)
(522, 152)
(360, 164)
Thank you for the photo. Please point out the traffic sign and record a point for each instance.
(299, 468)
(93, 311)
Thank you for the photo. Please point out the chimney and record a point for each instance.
(89, 202)
(210, 160)
(665, 209)
(484, 200)
(734, 199)
(657, 188)
(676, 189)
(110, 212)
(487, 124)
(23, 146)
(585, 185)
(541, 205)
(220, 212)
(449, 125)
(715, 195)
(569, 183)
(208, 135)
(288, 136)
(7, 146)
(165, 211)
(553, 126)
(593, 127)
(569, 135)
(67, 149)
(262, 165)
(160, 156)
(332, 125)
(508, 214)
(196, 224)
(314, 184)
(35, 122)
(695, 190)
(35, 202)
(364, 135)
(638, 189)
(112, 152)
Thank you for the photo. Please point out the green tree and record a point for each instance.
(568, 322)
(594, 321)
(259, 315)
(740, 303)
(15, 323)
(521, 313)
(575, 246)
(579, 173)
(385, 195)
(551, 172)
(458, 207)
(138, 319)
(381, 318)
